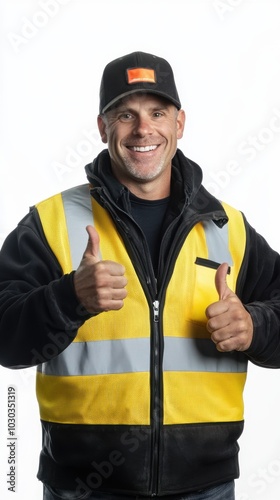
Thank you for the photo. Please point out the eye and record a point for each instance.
(158, 114)
(124, 117)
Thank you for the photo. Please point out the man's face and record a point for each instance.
(142, 133)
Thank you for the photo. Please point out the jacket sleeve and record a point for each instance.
(39, 311)
(259, 290)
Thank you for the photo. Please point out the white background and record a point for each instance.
(226, 59)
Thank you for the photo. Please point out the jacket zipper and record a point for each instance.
(156, 399)
(143, 263)
(156, 310)
(157, 345)
(156, 359)
(156, 363)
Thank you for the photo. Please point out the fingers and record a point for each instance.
(238, 342)
(107, 286)
(233, 336)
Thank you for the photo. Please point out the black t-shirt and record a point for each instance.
(149, 215)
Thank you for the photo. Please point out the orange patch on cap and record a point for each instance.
(136, 75)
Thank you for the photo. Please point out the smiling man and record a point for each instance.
(141, 298)
(142, 132)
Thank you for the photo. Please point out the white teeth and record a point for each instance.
(143, 148)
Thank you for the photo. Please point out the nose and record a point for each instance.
(143, 126)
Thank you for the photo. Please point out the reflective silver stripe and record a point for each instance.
(133, 355)
(101, 357)
(78, 213)
(201, 355)
(217, 242)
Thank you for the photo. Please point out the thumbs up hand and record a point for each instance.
(99, 284)
(229, 323)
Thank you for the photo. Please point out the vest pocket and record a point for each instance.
(209, 263)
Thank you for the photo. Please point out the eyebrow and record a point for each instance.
(128, 109)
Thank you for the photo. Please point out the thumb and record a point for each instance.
(92, 248)
(221, 282)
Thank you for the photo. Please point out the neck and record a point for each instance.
(155, 189)
(149, 194)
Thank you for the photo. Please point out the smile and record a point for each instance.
(142, 149)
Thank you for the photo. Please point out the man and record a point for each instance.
(142, 344)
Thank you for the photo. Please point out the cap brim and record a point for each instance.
(142, 91)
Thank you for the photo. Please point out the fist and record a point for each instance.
(229, 323)
(99, 284)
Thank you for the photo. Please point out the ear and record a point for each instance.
(102, 128)
(181, 118)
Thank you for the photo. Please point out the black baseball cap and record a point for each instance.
(137, 72)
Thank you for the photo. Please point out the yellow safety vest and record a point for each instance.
(103, 377)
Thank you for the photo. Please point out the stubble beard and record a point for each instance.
(139, 172)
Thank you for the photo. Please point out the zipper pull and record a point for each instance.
(156, 310)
